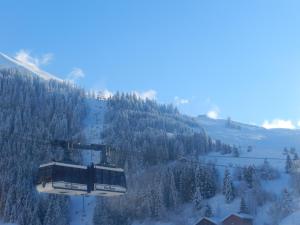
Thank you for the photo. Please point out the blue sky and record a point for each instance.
(229, 58)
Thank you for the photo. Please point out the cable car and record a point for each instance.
(62, 178)
(72, 179)
(108, 181)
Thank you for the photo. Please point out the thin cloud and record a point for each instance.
(75, 74)
(278, 123)
(25, 57)
(150, 94)
(180, 101)
(46, 59)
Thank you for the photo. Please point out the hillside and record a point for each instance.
(244, 135)
(9, 63)
(265, 143)
(177, 166)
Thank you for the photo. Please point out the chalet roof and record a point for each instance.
(240, 215)
(209, 219)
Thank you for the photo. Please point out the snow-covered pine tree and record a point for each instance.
(288, 164)
(170, 194)
(267, 172)
(228, 188)
(282, 207)
(296, 157)
(243, 206)
(287, 205)
(32, 109)
(248, 175)
(235, 152)
(198, 199)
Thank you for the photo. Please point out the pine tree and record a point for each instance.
(296, 157)
(243, 206)
(248, 173)
(170, 193)
(236, 152)
(228, 189)
(288, 164)
(198, 199)
(286, 202)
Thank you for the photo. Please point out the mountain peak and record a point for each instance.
(7, 62)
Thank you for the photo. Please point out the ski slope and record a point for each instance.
(82, 214)
(258, 137)
(8, 63)
(266, 143)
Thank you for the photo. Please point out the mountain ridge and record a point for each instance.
(7, 62)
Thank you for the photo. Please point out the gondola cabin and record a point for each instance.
(62, 178)
(109, 181)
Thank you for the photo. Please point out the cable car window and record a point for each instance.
(115, 178)
(106, 177)
(99, 176)
(45, 174)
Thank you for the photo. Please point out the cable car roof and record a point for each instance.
(109, 168)
(63, 164)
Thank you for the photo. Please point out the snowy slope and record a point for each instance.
(293, 219)
(7, 62)
(258, 137)
(82, 214)
(2, 223)
(266, 143)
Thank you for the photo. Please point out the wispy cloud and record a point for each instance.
(180, 101)
(278, 123)
(149, 94)
(46, 59)
(34, 62)
(75, 74)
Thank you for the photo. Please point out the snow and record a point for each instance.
(268, 140)
(7, 62)
(2, 223)
(93, 126)
(186, 214)
(293, 219)
(266, 143)
(221, 209)
(82, 214)
(276, 186)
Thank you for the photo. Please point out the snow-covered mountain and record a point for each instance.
(160, 133)
(264, 142)
(8, 63)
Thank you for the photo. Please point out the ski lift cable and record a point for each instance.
(96, 147)
(208, 164)
(244, 157)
